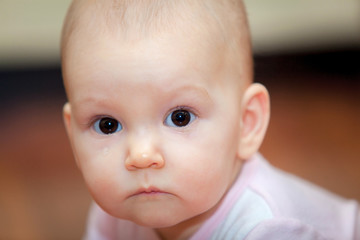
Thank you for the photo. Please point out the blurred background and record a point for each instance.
(307, 52)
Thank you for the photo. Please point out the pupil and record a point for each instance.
(108, 125)
(180, 118)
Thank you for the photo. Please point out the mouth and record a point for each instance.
(150, 191)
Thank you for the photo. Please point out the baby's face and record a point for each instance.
(154, 125)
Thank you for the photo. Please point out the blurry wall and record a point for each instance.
(29, 32)
(280, 26)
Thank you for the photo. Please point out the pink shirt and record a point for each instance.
(264, 203)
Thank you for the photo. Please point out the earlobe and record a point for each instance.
(67, 118)
(255, 117)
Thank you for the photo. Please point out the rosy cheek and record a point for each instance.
(94, 163)
(102, 182)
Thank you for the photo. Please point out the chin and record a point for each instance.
(156, 220)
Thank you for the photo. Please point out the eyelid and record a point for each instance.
(180, 107)
(93, 120)
(184, 107)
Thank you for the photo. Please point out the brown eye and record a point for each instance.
(107, 126)
(179, 118)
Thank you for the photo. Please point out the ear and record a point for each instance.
(67, 119)
(254, 120)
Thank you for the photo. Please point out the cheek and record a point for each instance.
(204, 165)
(218, 146)
(102, 168)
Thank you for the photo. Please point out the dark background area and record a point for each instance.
(314, 133)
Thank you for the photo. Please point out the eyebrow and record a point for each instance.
(190, 88)
(170, 91)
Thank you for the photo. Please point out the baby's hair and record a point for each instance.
(224, 21)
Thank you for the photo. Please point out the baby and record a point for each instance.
(165, 124)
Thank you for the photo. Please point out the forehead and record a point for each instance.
(166, 61)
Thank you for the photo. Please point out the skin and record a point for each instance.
(150, 172)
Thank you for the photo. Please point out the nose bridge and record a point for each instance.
(143, 150)
(141, 142)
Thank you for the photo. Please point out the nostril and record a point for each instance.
(154, 165)
(131, 167)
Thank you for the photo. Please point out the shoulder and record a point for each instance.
(308, 205)
(283, 229)
(278, 204)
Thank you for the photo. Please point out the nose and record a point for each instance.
(143, 154)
